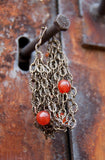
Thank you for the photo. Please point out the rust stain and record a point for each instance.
(2, 76)
(88, 69)
(97, 142)
(86, 57)
(3, 2)
(95, 146)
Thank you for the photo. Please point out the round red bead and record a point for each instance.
(43, 118)
(64, 86)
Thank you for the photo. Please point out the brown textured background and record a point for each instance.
(19, 139)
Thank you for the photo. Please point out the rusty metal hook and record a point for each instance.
(61, 23)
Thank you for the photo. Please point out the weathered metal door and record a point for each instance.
(19, 139)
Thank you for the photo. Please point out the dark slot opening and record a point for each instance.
(23, 62)
(23, 41)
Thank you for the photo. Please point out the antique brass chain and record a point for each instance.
(44, 86)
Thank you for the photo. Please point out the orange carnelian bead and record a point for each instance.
(43, 118)
(64, 86)
(47, 54)
(64, 119)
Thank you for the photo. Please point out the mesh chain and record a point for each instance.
(44, 86)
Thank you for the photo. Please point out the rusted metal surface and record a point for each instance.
(88, 69)
(3, 2)
(93, 23)
(19, 139)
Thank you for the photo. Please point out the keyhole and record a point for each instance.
(23, 63)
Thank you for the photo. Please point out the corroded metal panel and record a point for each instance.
(19, 139)
(88, 69)
(93, 24)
